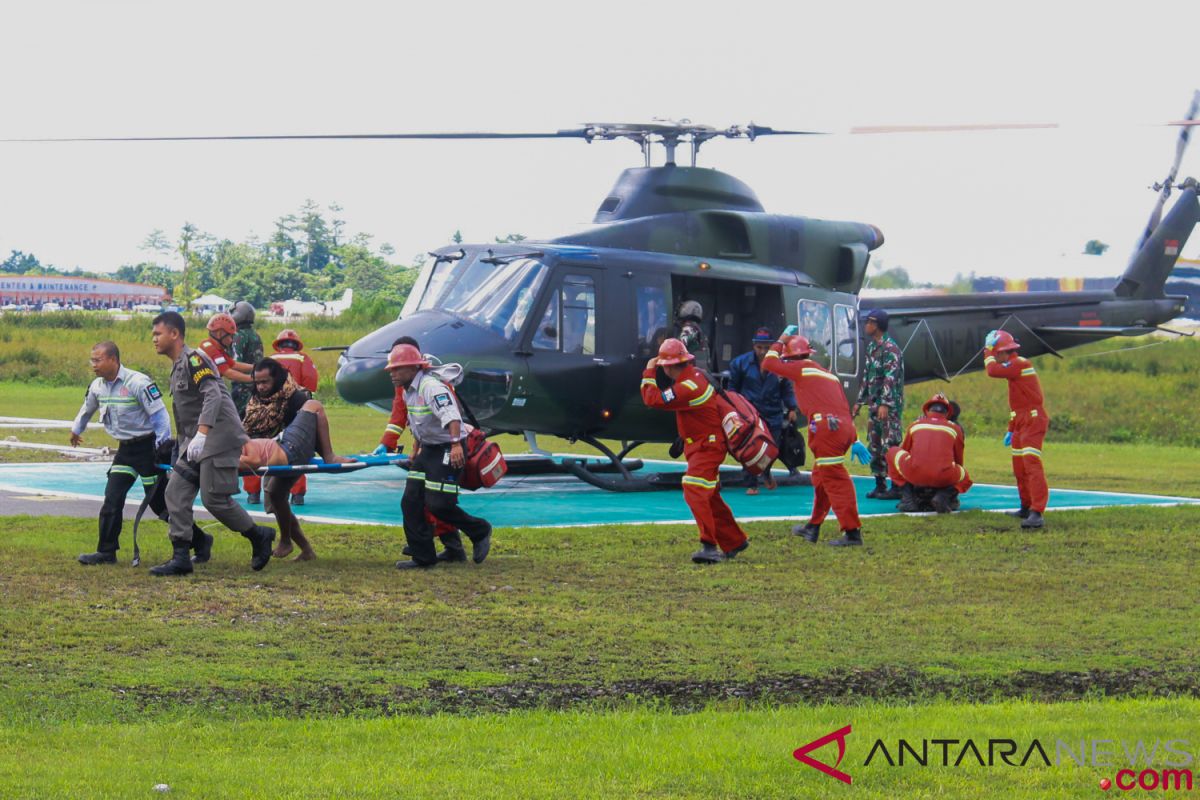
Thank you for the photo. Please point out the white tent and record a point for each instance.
(210, 304)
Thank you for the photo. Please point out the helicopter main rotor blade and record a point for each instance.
(577, 133)
(1181, 144)
(987, 126)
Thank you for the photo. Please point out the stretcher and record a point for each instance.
(316, 465)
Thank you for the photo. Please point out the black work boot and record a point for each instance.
(943, 500)
(810, 532)
(708, 554)
(260, 537)
(180, 563)
(848, 539)
(201, 546)
(880, 488)
(1022, 512)
(297, 499)
(453, 550)
(740, 548)
(908, 499)
(99, 557)
(890, 494)
(481, 547)
(414, 565)
(1034, 520)
(254, 499)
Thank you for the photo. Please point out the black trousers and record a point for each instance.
(434, 484)
(134, 461)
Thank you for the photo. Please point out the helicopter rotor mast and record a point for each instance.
(671, 133)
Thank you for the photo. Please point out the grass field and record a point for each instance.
(598, 662)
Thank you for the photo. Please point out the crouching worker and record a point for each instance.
(438, 432)
(698, 419)
(275, 405)
(306, 436)
(930, 458)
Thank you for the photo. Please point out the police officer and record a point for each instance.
(132, 410)
(210, 438)
(698, 420)
(247, 348)
(883, 394)
(438, 432)
(770, 395)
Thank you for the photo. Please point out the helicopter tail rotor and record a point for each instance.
(1164, 189)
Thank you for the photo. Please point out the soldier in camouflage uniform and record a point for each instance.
(883, 394)
(247, 348)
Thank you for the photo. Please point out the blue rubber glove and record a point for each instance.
(381, 450)
(860, 453)
(990, 339)
(1008, 439)
(790, 330)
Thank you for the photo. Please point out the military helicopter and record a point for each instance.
(553, 335)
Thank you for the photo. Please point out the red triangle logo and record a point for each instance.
(801, 754)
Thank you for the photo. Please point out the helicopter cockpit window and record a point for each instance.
(438, 277)
(652, 318)
(466, 277)
(502, 301)
(569, 322)
(846, 335)
(815, 326)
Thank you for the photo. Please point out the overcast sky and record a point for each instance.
(1015, 203)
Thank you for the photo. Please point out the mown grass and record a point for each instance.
(637, 753)
(968, 601)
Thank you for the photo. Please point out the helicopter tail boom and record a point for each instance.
(1147, 273)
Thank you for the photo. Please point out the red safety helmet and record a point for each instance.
(938, 398)
(673, 351)
(796, 347)
(288, 335)
(1002, 341)
(222, 323)
(405, 355)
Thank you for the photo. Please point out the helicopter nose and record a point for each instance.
(362, 379)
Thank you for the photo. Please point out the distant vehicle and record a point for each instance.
(146, 308)
(51, 307)
(305, 308)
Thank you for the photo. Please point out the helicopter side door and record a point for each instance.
(564, 350)
(831, 329)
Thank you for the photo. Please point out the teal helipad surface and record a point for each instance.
(373, 496)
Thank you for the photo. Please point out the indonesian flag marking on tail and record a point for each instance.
(1171, 247)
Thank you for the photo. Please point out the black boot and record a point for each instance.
(297, 499)
(260, 537)
(708, 554)
(99, 557)
(201, 546)
(453, 550)
(1034, 520)
(481, 547)
(943, 500)
(890, 494)
(739, 549)
(1022, 512)
(848, 539)
(880, 488)
(254, 498)
(810, 532)
(180, 563)
(908, 499)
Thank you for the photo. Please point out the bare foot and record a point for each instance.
(752, 490)
(341, 460)
(306, 555)
(282, 550)
(771, 483)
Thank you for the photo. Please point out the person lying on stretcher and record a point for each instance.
(307, 436)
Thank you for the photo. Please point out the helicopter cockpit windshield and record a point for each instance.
(502, 301)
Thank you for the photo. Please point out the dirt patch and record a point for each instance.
(847, 686)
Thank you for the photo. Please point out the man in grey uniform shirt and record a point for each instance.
(209, 438)
(132, 410)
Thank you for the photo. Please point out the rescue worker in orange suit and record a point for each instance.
(698, 419)
(831, 433)
(1027, 423)
(300, 366)
(446, 533)
(222, 330)
(931, 457)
